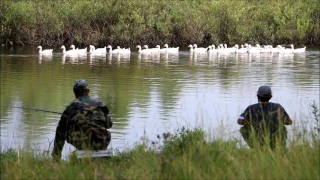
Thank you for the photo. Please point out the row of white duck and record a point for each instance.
(93, 50)
(246, 48)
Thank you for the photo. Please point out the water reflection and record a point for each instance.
(44, 58)
(169, 91)
(149, 57)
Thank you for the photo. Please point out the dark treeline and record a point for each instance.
(131, 22)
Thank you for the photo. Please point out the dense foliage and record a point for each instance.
(127, 22)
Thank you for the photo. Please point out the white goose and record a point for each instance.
(172, 49)
(213, 49)
(69, 52)
(113, 50)
(152, 50)
(266, 49)
(80, 51)
(93, 50)
(124, 50)
(299, 50)
(45, 51)
(242, 50)
(142, 50)
(285, 51)
(199, 49)
(163, 50)
(229, 50)
(253, 50)
(191, 47)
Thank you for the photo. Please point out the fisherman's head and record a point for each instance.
(80, 88)
(264, 93)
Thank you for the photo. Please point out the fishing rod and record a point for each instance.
(54, 112)
(36, 109)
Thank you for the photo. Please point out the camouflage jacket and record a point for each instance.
(83, 121)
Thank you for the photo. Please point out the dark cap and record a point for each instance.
(80, 83)
(264, 91)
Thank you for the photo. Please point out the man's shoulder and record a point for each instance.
(275, 105)
(253, 106)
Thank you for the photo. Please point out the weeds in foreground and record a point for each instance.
(182, 155)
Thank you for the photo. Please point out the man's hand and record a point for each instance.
(242, 120)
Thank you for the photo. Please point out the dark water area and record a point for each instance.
(150, 94)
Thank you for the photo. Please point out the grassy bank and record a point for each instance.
(128, 23)
(184, 155)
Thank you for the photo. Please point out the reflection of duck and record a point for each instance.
(71, 58)
(44, 57)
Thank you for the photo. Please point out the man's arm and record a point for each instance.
(284, 115)
(60, 137)
(242, 120)
(109, 122)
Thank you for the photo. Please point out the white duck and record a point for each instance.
(161, 50)
(172, 49)
(298, 50)
(93, 50)
(45, 51)
(80, 51)
(191, 47)
(266, 49)
(113, 50)
(213, 49)
(285, 51)
(242, 50)
(199, 49)
(229, 50)
(152, 50)
(69, 52)
(254, 50)
(140, 50)
(124, 50)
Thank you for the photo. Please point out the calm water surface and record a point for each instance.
(150, 94)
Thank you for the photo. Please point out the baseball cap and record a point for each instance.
(264, 91)
(80, 83)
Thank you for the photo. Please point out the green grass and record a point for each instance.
(184, 155)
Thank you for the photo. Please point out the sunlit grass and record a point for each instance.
(184, 154)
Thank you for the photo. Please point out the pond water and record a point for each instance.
(150, 94)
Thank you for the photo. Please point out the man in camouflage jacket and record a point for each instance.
(84, 123)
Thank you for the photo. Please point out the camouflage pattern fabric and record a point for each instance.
(83, 124)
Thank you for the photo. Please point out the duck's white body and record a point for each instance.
(152, 50)
(298, 50)
(124, 50)
(69, 52)
(285, 51)
(242, 50)
(161, 50)
(199, 49)
(191, 47)
(93, 50)
(254, 50)
(172, 49)
(45, 51)
(79, 51)
(140, 50)
(266, 49)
